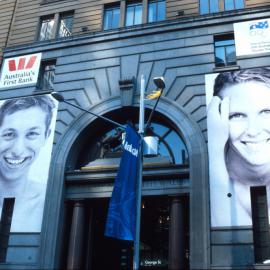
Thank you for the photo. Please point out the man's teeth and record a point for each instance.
(15, 161)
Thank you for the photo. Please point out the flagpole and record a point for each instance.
(136, 258)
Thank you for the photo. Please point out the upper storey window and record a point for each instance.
(224, 50)
(65, 25)
(46, 28)
(55, 26)
(233, 4)
(212, 6)
(111, 17)
(156, 10)
(134, 13)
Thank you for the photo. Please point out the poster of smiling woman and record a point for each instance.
(238, 120)
(26, 138)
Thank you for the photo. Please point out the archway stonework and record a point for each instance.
(199, 192)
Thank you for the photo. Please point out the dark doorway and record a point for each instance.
(106, 252)
(100, 252)
(260, 220)
(155, 221)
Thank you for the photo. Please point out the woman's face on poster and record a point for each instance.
(22, 134)
(249, 121)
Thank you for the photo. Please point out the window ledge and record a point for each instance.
(46, 2)
(261, 266)
(226, 68)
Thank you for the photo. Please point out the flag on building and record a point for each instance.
(154, 94)
(121, 218)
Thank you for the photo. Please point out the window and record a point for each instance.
(111, 17)
(134, 13)
(46, 75)
(233, 4)
(212, 6)
(57, 25)
(170, 145)
(65, 25)
(225, 50)
(156, 11)
(260, 221)
(46, 28)
(5, 224)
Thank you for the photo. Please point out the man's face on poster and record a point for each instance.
(249, 121)
(22, 134)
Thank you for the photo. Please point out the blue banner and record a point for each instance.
(121, 219)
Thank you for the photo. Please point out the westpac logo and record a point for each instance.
(23, 63)
(21, 70)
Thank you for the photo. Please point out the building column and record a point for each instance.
(75, 249)
(122, 13)
(176, 235)
(144, 11)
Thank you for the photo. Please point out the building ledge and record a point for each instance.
(226, 68)
(261, 266)
(184, 23)
(105, 171)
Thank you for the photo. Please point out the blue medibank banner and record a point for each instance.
(121, 218)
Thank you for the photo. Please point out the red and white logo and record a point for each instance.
(20, 70)
(22, 63)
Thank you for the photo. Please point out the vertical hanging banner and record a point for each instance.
(238, 117)
(27, 127)
(20, 70)
(121, 219)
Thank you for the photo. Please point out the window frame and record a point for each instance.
(132, 13)
(42, 71)
(108, 8)
(134, 5)
(215, 6)
(41, 20)
(229, 37)
(157, 10)
(63, 16)
(56, 26)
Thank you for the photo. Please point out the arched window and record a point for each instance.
(103, 141)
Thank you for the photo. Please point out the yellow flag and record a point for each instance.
(154, 94)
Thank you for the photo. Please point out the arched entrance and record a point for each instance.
(163, 181)
(165, 203)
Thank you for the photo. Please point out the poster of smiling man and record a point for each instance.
(26, 129)
(238, 120)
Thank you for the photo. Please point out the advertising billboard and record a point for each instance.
(26, 138)
(19, 71)
(238, 121)
(252, 37)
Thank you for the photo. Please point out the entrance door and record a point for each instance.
(158, 218)
(106, 252)
(155, 222)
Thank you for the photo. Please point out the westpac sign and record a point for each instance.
(20, 70)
